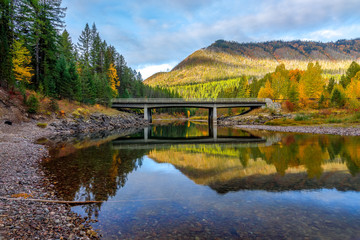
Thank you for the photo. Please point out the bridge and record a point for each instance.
(212, 104)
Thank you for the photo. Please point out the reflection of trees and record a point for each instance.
(180, 130)
(293, 151)
(94, 173)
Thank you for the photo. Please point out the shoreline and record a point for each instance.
(21, 176)
(342, 131)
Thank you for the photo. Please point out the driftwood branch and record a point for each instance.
(78, 202)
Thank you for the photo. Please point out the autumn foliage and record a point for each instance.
(21, 62)
(113, 79)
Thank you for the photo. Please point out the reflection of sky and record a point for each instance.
(151, 166)
(160, 191)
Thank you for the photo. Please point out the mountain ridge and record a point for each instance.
(229, 59)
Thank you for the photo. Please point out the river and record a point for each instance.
(185, 180)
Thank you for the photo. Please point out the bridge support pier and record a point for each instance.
(146, 134)
(212, 130)
(147, 113)
(212, 116)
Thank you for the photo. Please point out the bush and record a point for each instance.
(80, 112)
(289, 106)
(53, 105)
(33, 104)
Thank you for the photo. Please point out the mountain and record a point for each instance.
(224, 60)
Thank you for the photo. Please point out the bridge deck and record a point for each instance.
(179, 102)
(212, 104)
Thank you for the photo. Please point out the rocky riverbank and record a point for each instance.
(21, 178)
(250, 119)
(344, 131)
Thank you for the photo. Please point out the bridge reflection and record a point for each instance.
(146, 140)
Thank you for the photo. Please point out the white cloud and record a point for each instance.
(149, 70)
(335, 34)
(153, 32)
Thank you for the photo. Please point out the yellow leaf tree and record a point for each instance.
(312, 82)
(21, 62)
(267, 91)
(113, 79)
(352, 91)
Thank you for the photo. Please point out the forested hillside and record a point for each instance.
(225, 60)
(37, 53)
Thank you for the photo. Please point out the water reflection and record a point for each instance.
(148, 173)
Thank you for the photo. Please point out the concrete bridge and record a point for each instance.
(212, 104)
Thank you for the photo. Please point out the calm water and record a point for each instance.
(186, 181)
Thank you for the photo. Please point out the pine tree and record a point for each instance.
(6, 78)
(350, 73)
(40, 20)
(66, 47)
(63, 79)
(330, 85)
(75, 82)
(84, 46)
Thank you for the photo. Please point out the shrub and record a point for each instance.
(289, 106)
(53, 105)
(33, 104)
(41, 125)
(80, 112)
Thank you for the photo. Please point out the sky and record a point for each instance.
(155, 35)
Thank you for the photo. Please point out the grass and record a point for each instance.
(302, 117)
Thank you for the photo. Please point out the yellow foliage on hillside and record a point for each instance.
(207, 65)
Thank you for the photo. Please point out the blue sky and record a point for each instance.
(155, 35)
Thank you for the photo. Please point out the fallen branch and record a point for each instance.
(77, 202)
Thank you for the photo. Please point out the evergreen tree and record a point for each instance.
(6, 78)
(350, 73)
(84, 46)
(66, 47)
(62, 78)
(330, 85)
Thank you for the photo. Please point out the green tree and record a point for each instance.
(338, 97)
(350, 73)
(6, 38)
(330, 85)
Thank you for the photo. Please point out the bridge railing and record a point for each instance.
(181, 100)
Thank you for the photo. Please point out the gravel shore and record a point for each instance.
(344, 131)
(21, 177)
